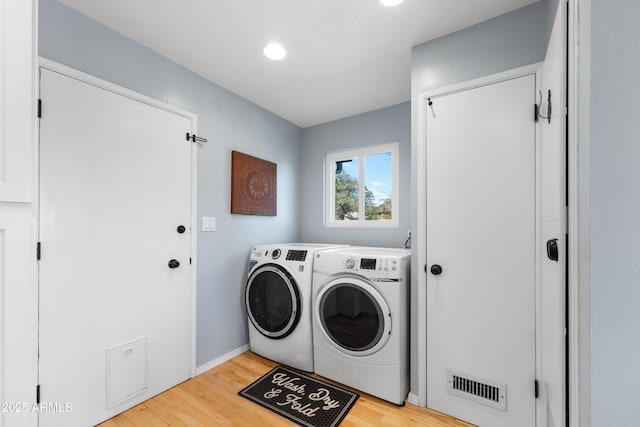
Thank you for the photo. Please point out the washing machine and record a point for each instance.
(278, 302)
(361, 319)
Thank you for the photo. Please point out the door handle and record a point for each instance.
(436, 269)
(552, 249)
(174, 263)
(181, 229)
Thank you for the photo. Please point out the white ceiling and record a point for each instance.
(344, 57)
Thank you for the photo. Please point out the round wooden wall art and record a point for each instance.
(253, 185)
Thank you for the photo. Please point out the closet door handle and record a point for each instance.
(552, 249)
(436, 269)
(174, 263)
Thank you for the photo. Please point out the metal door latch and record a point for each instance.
(552, 249)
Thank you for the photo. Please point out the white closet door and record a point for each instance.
(115, 273)
(481, 241)
(17, 336)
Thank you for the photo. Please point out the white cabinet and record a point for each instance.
(18, 343)
(17, 100)
(18, 289)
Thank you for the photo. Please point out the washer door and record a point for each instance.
(273, 301)
(353, 315)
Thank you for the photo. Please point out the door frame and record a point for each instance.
(419, 278)
(578, 182)
(111, 87)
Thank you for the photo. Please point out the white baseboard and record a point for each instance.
(413, 399)
(220, 360)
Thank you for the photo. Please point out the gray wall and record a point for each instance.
(506, 42)
(391, 124)
(615, 211)
(580, 124)
(229, 123)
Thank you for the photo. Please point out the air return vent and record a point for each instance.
(480, 391)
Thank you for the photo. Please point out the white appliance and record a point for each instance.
(361, 319)
(278, 302)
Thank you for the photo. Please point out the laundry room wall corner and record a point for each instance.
(385, 125)
(229, 122)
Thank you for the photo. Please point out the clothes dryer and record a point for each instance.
(361, 319)
(278, 302)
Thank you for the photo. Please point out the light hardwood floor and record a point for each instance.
(211, 399)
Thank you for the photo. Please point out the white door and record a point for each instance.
(18, 320)
(18, 293)
(481, 276)
(115, 274)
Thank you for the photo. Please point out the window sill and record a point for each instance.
(365, 224)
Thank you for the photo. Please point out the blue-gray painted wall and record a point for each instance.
(614, 210)
(391, 124)
(551, 12)
(509, 41)
(229, 123)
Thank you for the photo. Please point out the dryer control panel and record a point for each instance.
(378, 267)
(377, 264)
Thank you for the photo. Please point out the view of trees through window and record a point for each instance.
(377, 188)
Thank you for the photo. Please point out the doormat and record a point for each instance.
(304, 400)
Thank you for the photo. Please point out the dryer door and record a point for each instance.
(353, 315)
(273, 301)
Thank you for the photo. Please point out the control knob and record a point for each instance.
(349, 263)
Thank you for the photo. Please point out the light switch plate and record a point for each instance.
(208, 223)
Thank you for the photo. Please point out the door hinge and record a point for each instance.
(39, 108)
(38, 394)
(536, 387)
(536, 112)
(38, 251)
(189, 261)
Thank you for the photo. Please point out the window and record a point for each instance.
(362, 187)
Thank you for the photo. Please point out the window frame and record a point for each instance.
(330, 178)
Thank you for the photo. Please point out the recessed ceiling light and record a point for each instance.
(391, 2)
(274, 51)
